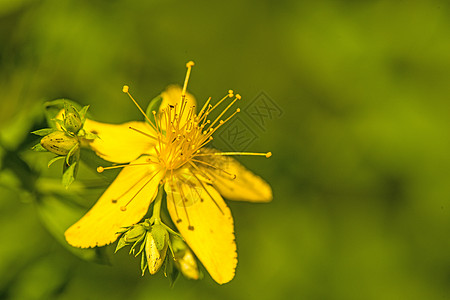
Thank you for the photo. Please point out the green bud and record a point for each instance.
(134, 234)
(59, 142)
(156, 247)
(185, 259)
(72, 119)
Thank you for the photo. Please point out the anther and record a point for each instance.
(268, 154)
(123, 208)
(189, 64)
(100, 169)
(238, 96)
(238, 110)
(190, 227)
(125, 89)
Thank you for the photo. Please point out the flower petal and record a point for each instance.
(245, 187)
(205, 222)
(119, 143)
(134, 188)
(172, 96)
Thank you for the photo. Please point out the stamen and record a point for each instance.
(188, 73)
(221, 122)
(178, 220)
(127, 190)
(183, 200)
(209, 194)
(230, 95)
(144, 133)
(233, 176)
(124, 208)
(193, 187)
(268, 154)
(203, 108)
(125, 90)
(100, 169)
(224, 111)
(200, 171)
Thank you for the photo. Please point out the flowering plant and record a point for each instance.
(164, 160)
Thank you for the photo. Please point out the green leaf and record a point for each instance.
(89, 135)
(153, 106)
(82, 113)
(144, 263)
(43, 132)
(38, 148)
(56, 158)
(57, 215)
(69, 175)
(142, 245)
(132, 248)
(71, 153)
(170, 271)
(120, 244)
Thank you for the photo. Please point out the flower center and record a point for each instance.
(182, 133)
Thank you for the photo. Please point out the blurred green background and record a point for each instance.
(361, 167)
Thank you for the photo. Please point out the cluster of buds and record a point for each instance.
(152, 240)
(64, 140)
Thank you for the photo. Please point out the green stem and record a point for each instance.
(157, 206)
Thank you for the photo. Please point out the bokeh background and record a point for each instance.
(361, 143)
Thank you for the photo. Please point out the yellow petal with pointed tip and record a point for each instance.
(172, 96)
(119, 143)
(245, 187)
(206, 225)
(134, 188)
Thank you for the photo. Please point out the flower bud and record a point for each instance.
(134, 234)
(156, 247)
(59, 142)
(185, 259)
(72, 120)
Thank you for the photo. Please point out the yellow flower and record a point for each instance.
(172, 151)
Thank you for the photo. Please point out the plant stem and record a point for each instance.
(157, 206)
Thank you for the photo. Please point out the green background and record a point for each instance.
(360, 168)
